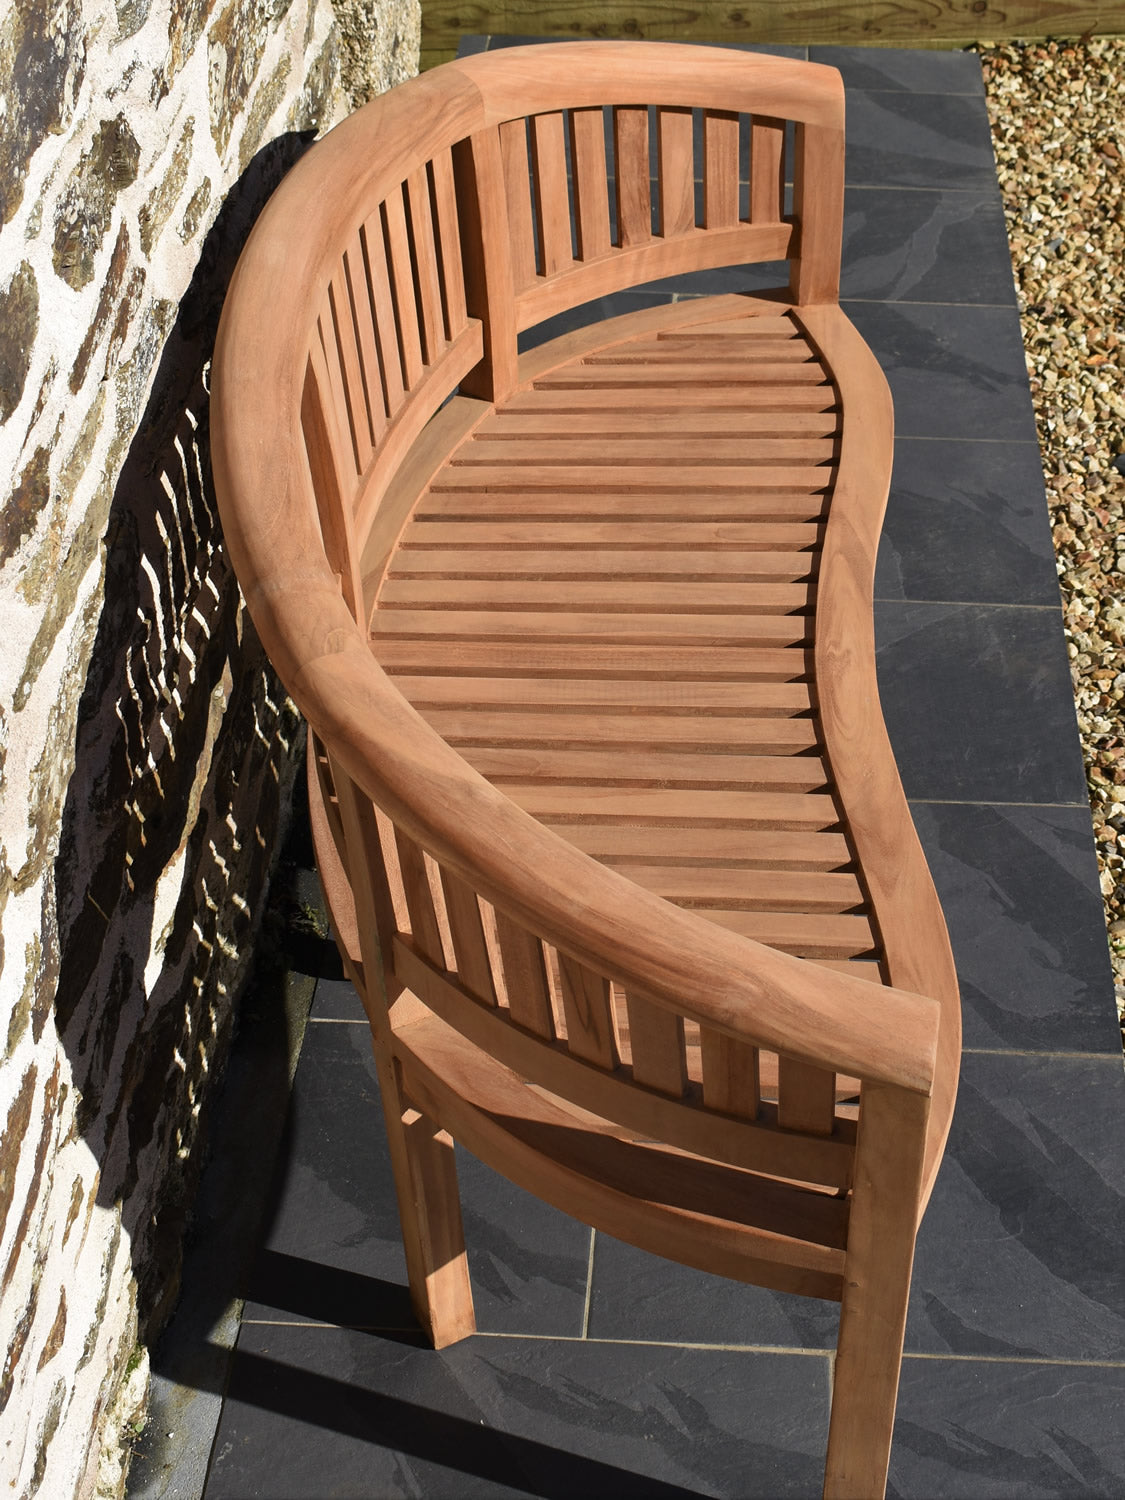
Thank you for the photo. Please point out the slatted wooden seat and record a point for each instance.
(612, 835)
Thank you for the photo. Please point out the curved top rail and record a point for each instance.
(270, 522)
(573, 75)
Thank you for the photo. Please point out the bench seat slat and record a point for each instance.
(640, 844)
(651, 478)
(671, 447)
(674, 805)
(816, 936)
(775, 739)
(611, 594)
(481, 562)
(526, 424)
(514, 658)
(597, 698)
(712, 505)
(564, 625)
(711, 771)
(581, 393)
(779, 375)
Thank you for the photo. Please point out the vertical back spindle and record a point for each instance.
(525, 976)
(425, 263)
(767, 170)
(355, 273)
(517, 191)
(552, 201)
(589, 1017)
(656, 1040)
(591, 189)
(383, 311)
(730, 1074)
(676, 157)
(467, 933)
(402, 281)
(448, 243)
(343, 334)
(806, 1097)
(634, 190)
(720, 169)
(424, 929)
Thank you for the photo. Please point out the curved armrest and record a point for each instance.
(718, 978)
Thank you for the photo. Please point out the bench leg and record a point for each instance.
(429, 1207)
(880, 1256)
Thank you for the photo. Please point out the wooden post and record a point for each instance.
(422, 1160)
(486, 250)
(886, 1199)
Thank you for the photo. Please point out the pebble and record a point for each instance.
(1056, 110)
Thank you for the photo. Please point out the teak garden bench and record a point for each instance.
(610, 828)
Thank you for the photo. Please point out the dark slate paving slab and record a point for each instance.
(924, 246)
(984, 1431)
(954, 371)
(908, 140)
(333, 1249)
(635, 1295)
(1019, 888)
(977, 702)
(914, 70)
(1020, 1250)
(337, 1000)
(967, 520)
(313, 1412)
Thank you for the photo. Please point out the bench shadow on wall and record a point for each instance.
(184, 752)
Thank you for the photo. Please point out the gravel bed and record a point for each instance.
(1058, 127)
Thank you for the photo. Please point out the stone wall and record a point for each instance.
(145, 747)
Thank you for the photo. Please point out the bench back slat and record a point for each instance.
(767, 170)
(632, 185)
(344, 365)
(588, 172)
(425, 930)
(517, 195)
(552, 200)
(451, 272)
(806, 1097)
(525, 976)
(473, 961)
(675, 147)
(720, 169)
(359, 298)
(588, 1008)
(730, 1069)
(402, 282)
(656, 1046)
(424, 248)
(383, 312)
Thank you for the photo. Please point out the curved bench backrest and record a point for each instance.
(527, 192)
